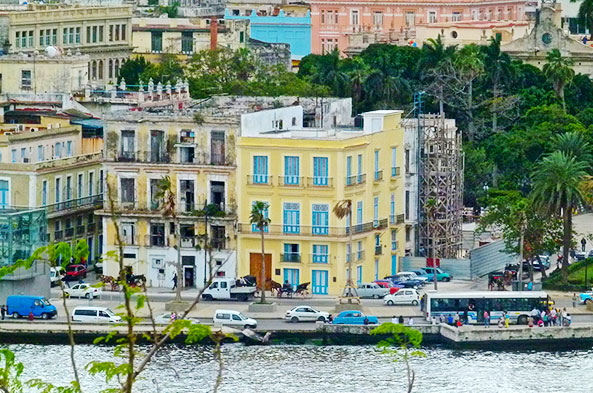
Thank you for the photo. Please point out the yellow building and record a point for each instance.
(184, 36)
(102, 32)
(45, 165)
(140, 149)
(302, 173)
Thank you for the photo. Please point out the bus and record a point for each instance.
(518, 305)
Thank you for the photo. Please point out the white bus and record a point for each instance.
(472, 305)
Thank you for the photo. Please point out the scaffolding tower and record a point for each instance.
(440, 180)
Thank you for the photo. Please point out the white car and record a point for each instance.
(94, 315)
(305, 313)
(414, 276)
(166, 319)
(82, 290)
(403, 296)
(371, 290)
(54, 276)
(233, 318)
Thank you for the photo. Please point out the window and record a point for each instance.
(377, 176)
(432, 17)
(187, 42)
(376, 211)
(95, 31)
(359, 172)
(157, 235)
(217, 152)
(54, 36)
(23, 154)
(320, 171)
(393, 161)
(320, 253)
(117, 33)
(354, 17)
(410, 18)
(393, 240)
(77, 35)
(241, 36)
(349, 179)
(123, 32)
(13, 155)
(91, 181)
(57, 190)
(88, 34)
(320, 219)
(291, 253)
(456, 17)
(392, 208)
(156, 41)
(254, 228)
(68, 188)
(128, 232)
(358, 275)
(71, 35)
(408, 234)
(378, 19)
(376, 269)
(69, 148)
(291, 217)
(79, 186)
(26, 82)
(291, 170)
(4, 194)
(359, 250)
(407, 205)
(18, 39)
(127, 145)
(127, 190)
(348, 252)
(292, 276)
(260, 169)
(100, 33)
(101, 181)
(359, 213)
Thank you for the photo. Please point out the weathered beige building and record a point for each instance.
(102, 33)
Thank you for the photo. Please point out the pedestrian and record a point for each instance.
(366, 320)
(175, 281)
(545, 318)
(31, 316)
(3, 311)
(506, 319)
(456, 318)
(553, 315)
(458, 324)
(411, 321)
(530, 322)
(330, 318)
(500, 323)
(574, 300)
(564, 315)
(394, 319)
(401, 319)
(486, 319)
(542, 316)
(450, 320)
(441, 318)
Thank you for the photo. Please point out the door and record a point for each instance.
(188, 276)
(236, 320)
(75, 291)
(217, 148)
(292, 276)
(255, 268)
(157, 148)
(319, 282)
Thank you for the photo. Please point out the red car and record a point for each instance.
(75, 272)
(387, 284)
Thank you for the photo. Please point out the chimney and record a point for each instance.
(213, 33)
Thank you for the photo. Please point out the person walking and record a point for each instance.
(3, 311)
(574, 300)
(175, 281)
(456, 319)
(486, 319)
(506, 319)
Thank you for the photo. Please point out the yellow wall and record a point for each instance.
(275, 195)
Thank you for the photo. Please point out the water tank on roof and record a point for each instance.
(53, 51)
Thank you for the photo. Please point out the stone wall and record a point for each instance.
(271, 53)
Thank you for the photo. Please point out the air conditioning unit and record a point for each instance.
(20, 127)
(33, 129)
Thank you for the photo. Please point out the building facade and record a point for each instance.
(102, 33)
(333, 22)
(301, 173)
(199, 158)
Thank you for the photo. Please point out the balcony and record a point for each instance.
(80, 229)
(380, 224)
(356, 179)
(378, 175)
(156, 240)
(396, 220)
(218, 243)
(144, 156)
(217, 159)
(378, 250)
(359, 255)
(90, 227)
(79, 203)
(290, 181)
(127, 156)
(69, 232)
(129, 240)
(395, 171)
(290, 257)
(259, 180)
(58, 235)
(320, 181)
(319, 258)
(305, 230)
(188, 242)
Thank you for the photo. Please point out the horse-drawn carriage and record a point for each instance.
(301, 290)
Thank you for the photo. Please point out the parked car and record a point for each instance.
(413, 276)
(579, 255)
(389, 285)
(354, 317)
(54, 276)
(404, 281)
(99, 266)
(422, 273)
(405, 296)
(590, 254)
(88, 314)
(82, 290)
(75, 272)
(233, 318)
(371, 290)
(587, 297)
(166, 318)
(305, 313)
(21, 306)
(441, 275)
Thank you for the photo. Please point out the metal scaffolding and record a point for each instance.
(440, 180)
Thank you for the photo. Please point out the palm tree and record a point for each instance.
(498, 70)
(168, 207)
(574, 144)
(344, 209)
(434, 53)
(470, 61)
(259, 218)
(558, 190)
(559, 72)
(358, 76)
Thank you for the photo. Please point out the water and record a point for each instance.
(311, 369)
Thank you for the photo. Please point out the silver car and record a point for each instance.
(371, 290)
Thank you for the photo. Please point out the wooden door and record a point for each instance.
(255, 268)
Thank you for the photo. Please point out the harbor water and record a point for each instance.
(311, 369)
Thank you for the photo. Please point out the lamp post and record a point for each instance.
(485, 188)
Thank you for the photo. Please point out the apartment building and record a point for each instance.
(198, 156)
(48, 166)
(301, 173)
(101, 32)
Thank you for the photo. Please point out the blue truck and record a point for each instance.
(19, 306)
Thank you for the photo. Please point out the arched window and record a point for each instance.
(100, 69)
(110, 69)
(94, 70)
(116, 68)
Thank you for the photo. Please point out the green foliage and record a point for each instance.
(575, 277)
(133, 69)
(171, 10)
(81, 251)
(10, 372)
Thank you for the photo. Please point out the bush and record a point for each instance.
(576, 277)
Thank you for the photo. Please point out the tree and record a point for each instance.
(498, 71)
(574, 144)
(403, 345)
(81, 252)
(585, 15)
(341, 210)
(557, 191)
(132, 70)
(469, 61)
(559, 72)
(259, 218)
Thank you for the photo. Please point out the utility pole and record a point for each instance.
(521, 241)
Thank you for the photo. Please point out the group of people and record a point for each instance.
(549, 317)
(400, 320)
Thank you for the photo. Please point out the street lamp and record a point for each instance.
(486, 188)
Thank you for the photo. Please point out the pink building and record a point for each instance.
(337, 23)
